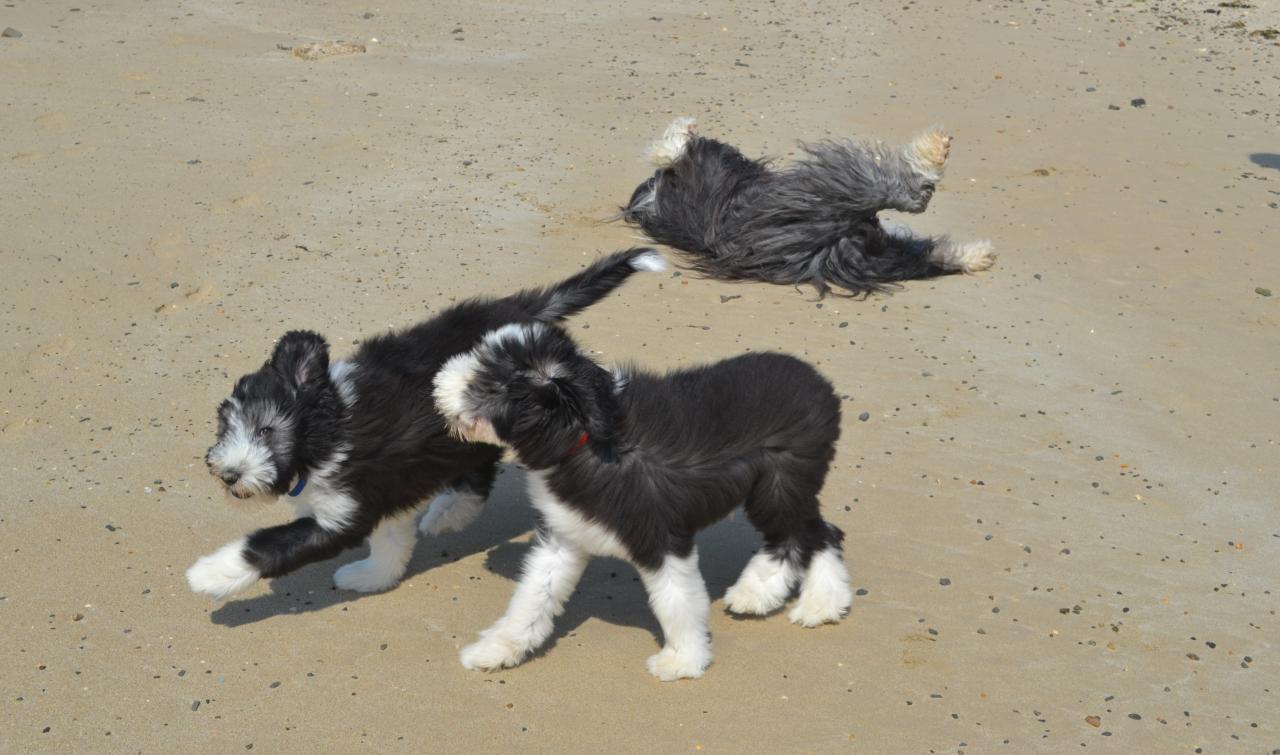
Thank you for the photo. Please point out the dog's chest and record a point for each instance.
(568, 524)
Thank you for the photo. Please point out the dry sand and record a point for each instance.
(1061, 506)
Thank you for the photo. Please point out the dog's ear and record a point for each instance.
(302, 357)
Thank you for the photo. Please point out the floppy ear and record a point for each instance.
(302, 357)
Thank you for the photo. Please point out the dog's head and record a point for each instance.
(260, 447)
(529, 388)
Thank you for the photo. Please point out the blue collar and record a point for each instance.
(297, 489)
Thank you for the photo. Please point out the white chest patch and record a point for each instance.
(568, 524)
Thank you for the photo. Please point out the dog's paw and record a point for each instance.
(927, 155)
(670, 665)
(366, 576)
(491, 653)
(223, 572)
(964, 256)
(450, 511)
(670, 146)
(751, 599)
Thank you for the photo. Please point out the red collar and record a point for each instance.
(577, 446)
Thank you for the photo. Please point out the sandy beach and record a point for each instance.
(1061, 509)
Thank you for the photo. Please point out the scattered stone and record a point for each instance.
(1042, 172)
(1260, 291)
(1113, 107)
(1267, 34)
(724, 298)
(864, 416)
(1093, 721)
(1138, 102)
(321, 50)
(944, 581)
(11, 32)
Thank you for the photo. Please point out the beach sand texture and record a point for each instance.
(1061, 506)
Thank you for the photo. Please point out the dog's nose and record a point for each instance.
(230, 476)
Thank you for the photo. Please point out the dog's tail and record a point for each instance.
(580, 291)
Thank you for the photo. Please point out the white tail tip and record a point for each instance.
(650, 261)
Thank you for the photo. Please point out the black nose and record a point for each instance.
(230, 476)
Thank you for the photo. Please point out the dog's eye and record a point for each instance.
(265, 432)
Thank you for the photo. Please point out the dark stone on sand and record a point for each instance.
(944, 581)
(1260, 291)
(864, 416)
(1138, 102)
(9, 31)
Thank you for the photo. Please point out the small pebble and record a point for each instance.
(9, 31)
(864, 416)
(1138, 102)
(1260, 291)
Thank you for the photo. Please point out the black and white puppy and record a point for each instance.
(632, 464)
(359, 445)
(813, 221)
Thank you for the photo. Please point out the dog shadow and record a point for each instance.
(1265, 160)
(610, 588)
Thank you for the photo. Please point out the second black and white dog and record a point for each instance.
(814, 221)
(359, 446)
(633, 465)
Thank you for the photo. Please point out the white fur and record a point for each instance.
(568, 524)
(551, 571)
(240, 450)
(679, 598)
(223, 572)
(390, 548)
(649, 261)
(917, 154)
(332, 507)
(451, 511)
(825, 594)
(669, 147)
(518, 332)
(965, 256)
(341, 375)
(765, 584)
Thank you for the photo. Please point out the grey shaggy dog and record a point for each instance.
(814, 221)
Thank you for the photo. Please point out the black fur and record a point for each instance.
(813, 222)
(383, 448)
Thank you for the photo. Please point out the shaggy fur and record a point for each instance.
(360, 446)
(633, 465)
(813, 221)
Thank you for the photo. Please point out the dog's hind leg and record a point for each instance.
(825, 594)
(460, 503)
(765, 583)
(942, 252)
(390, 547)
(679, 598)
(551, 571)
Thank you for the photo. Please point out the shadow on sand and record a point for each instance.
(610, 589)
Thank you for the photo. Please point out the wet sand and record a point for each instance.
(1061, 509)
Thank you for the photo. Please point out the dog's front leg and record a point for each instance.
(268, 552)
(679, 598)
(551, 571)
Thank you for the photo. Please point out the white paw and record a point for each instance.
(450, 511)
(491, 653)
(815, 613)
(669, 665)
(928, 153)
(223, 572)
(670, 146)
(366, 576)
(964, 256)
(751, 598)
(977, 256)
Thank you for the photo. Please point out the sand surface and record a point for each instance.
(1062, 503)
